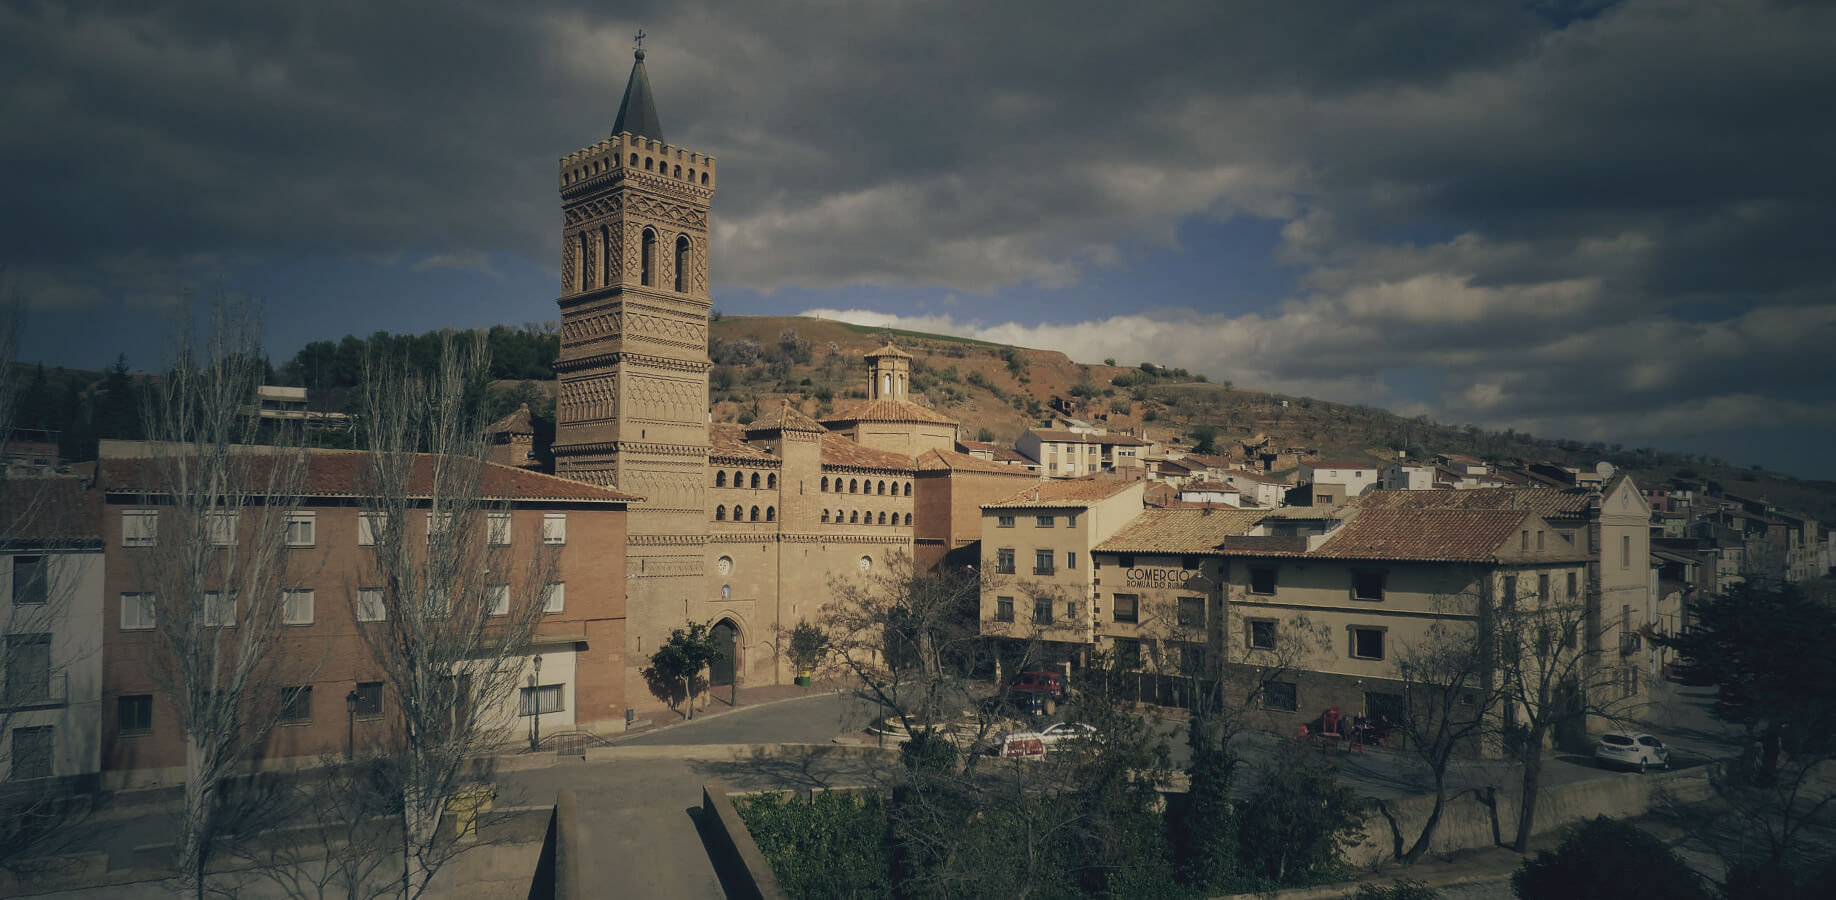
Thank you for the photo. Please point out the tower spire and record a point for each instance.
(637, 113)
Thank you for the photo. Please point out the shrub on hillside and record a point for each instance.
(1610, 860)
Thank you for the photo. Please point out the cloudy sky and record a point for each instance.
(1587, 219)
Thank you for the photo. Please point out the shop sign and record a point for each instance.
(1146, 577)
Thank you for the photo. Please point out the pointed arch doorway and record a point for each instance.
(726, 637)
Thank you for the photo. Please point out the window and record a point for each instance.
(1367, 643)
(755, 514)
(1004, 609)
(1510, 591)
(296, 705)
(29, 580)
(1539, 539)
(439, 526)
(755, 481)
(1044, 521)
(1262, 580)
(134, 714)
(1004, 561)
(647, 260)
(1625, 551)
(682, 262)
(302, 527)
(554, 528)
(1042, 611)
(27, 668)
(222, 527)
(1524, 540)
(1071, 610)
(1573, 588)
(771, 514)
(370, 605)
(1192, 612)
(1262, 634)
(219, 609)
(136, 612)
(498, 596)
(296, 608)
(1128, 653)
(1280, 695)
(1071, 520)
(720, 514)
(825, 484)
(854, 486)
(1367, 585)
(497, 529)
(882, 487)
(554, 597)
(1127, 608)
(825, 515)
(540, 699)
(1542, 587)
(1004, 521)
(371, 526)
(139, 527)
(1070, 559)
(720, 480)
(369, 699)
(1192, 659)
(771, 481)
(1042, 562)
(32, 752)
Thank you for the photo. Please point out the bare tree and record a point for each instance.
(1549, 674)
(1450, 697)
(332, 834)
(213, 562)
(459, 602)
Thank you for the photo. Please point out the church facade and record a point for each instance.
(746, 526)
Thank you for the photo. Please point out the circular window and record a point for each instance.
(724, 565)
(866, 563)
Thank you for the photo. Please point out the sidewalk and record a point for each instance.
(720, 701)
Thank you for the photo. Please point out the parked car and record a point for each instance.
(1039, 682)
(1632, 750)
(1067, 732)
(1019, 745)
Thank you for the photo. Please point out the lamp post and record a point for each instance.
(535, 703)
(350, 723)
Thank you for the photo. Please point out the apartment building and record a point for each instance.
(1404, 476)
(1074, 454)
(1036, 547)
(1339, 480)
(51, 619)
(1265, 491)
(328, 688)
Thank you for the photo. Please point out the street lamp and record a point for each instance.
(350, 722)
(535, 703)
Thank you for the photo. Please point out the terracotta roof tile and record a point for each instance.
(1552, 502)
(1256, 478)
(49, 510)
(1432, 535)
(1343, 463)
(344, 473)
(888, 350)
(518, 422)
(887, 410)
(728, 442)
(951, 461)
(1182, 530)
(1063, 492)
(785, 418)
(1078, 437)
(839, 451)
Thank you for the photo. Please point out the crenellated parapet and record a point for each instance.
(635, 157)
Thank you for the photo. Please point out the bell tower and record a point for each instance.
(632, 405)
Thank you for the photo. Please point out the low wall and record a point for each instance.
(742, 868)
(1488, 817)
(737, 752)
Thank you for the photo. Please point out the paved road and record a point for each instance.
(815, 719)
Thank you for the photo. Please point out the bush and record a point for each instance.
(1606, 858)
(831, 845)
(1297, 820)
(1400, 890)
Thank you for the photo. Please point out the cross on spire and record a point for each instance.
(639, 37)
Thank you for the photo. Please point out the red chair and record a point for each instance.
(1331, 732)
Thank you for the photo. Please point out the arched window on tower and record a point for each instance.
(882, 487)
(605, 255)
(755, 514)
(720, 514)
(739, 480)
(771, 481)
(882, 518)
(854, 517)
(825, 515)
(647, 261)
(771, 514)
(678, 172)
(720, 478)
(682, 263)
(908, 519)
(908, 492)
(825, 484)
(634, 159)
(755, 481)
(580, 269)
(854, 487)
(704, 179)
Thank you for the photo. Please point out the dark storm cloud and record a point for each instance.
(1608, 191)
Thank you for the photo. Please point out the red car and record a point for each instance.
(1039, 682)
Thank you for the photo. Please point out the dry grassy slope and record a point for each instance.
(1168, 410)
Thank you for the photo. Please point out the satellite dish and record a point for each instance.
(1604, 469)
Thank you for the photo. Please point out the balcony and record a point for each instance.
(1044, 570)
(50, 690)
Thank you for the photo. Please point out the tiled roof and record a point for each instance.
(984, 446)
(1432, 535)
(887, 410)
(49, 510)
(1212, 486)
(1078, 437)
(1010, 455)
(1257, 477)
(1207, 460)
(951, 461)
(517, 422)
(888, 350)
(1063, 492)
(728, 442)
(839, 451)
(1564, 503)
(346, 473)
(1181, 531)
(785, 418)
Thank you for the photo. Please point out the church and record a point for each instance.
(743, 527)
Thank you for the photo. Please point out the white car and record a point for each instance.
(1064, 732)
(1631, 750)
